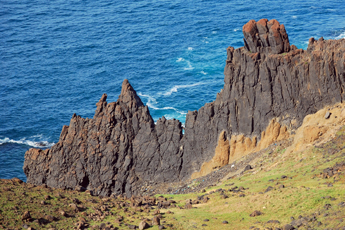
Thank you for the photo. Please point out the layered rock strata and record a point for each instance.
(269, 87)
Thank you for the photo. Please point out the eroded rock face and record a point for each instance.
(111, 153)
(266, 36)
(266, 82)
(262, 86)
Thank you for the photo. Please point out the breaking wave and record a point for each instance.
(342, 35)
(176, 87)
(24, 141)
(152, 102)
(190, 67)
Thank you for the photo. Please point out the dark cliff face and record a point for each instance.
(112, 153)
(263, 82)
(121, 147)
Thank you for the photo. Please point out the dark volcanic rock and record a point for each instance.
(248, 167)
(262, 86)
(269, 188)
(121, 148)
(266, 36)
(256, 213)
(331, 171)
(113, 152)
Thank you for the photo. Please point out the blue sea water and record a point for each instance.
(58, 57)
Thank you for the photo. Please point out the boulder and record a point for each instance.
(143, 225)
(156, 220)
(256, 213)
(26, 215)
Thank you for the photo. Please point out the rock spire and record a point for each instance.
(269, 87)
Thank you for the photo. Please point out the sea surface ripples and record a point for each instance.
(58, 57)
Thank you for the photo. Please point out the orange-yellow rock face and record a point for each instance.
(228, 151)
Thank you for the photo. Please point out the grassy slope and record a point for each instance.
(303, 194)
(306, 193)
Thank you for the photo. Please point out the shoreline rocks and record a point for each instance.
(269, 87)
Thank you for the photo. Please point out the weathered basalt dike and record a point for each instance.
(269, 87)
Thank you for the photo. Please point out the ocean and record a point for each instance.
(58, 57)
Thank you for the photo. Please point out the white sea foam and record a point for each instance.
(236, 30)
(176, 87)
(172, 108)
(168, 117)
(190, 67)
(203, 72)
(205, 40)
(214, 32)
(190, 48)
(341, 36)
(24, 141)
(294, 17)
(171, 116)
(151, 103)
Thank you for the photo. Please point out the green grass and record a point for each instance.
(303, 194)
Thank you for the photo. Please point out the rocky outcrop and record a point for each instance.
(265, 36)
(220, 159)
(111, 153)
(262, 86)
(269, 87)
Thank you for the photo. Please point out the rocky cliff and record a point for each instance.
(113, 152)
(269, 87)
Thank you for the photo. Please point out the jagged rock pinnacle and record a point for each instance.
(121, 149)
(266, 34)
(128, 94)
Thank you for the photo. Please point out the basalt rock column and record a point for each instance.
(266, 82)
(264, 35)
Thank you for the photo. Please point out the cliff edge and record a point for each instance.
(269, 87)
